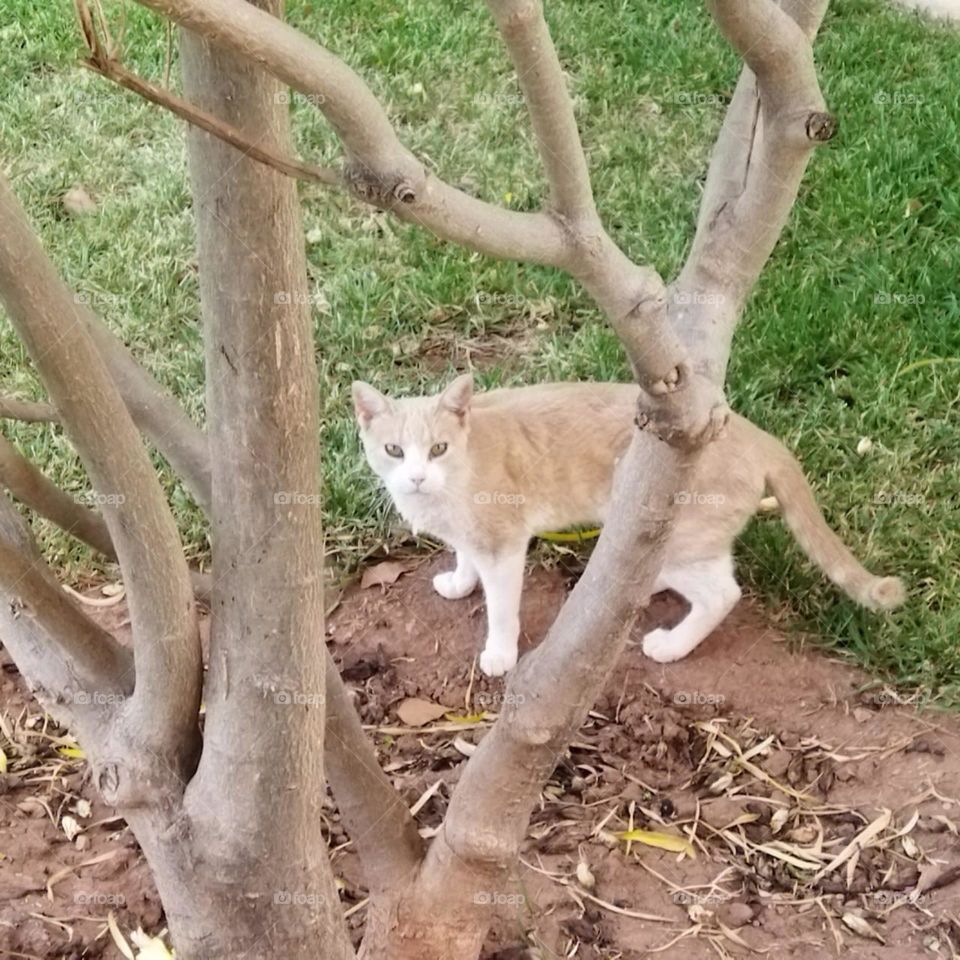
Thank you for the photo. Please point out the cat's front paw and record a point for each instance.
(452, 587)
(496, 662)
(664, 646)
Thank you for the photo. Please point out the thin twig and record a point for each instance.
(101, 62)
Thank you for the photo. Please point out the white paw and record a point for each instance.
(447, 585)
(664, 646)
(496, 662)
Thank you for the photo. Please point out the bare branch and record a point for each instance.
(379, 168)
(156, 412)
(376, 818)
(776, 118)
(31, 487)
(544, 88)
(68, 659)
(26, 410)
(54, 326)
(100, 61)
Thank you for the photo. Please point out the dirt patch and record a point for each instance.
(767, 762)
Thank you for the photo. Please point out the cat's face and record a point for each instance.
(417, 446)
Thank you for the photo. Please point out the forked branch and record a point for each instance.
(53, 326)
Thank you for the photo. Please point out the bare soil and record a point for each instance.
(762, 757)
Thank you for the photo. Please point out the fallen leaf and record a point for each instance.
(415, 712)
(383, 574)
(467, 718)
(70, 826)
(118, 937)
(861, 928)
(150, 948)
(663, 841)
(78, 202)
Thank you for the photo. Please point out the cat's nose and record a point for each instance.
(417, 480)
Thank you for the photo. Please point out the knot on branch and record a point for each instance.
(380, 190)
(821, 126)
(689, 412)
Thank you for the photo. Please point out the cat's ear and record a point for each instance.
(456, 398)
(368, 402)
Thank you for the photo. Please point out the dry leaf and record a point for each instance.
(78, 202)
(585, 878)
(70, 826)
(663, 841)
(415, 712)
(383, 574)
(861, 928)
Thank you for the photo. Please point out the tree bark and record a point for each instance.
(251, 818)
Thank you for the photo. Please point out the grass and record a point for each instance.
(860, 293)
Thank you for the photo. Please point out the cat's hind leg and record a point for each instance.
(460, 582)
(502, 578)
(712, 592)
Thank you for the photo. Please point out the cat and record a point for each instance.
(484, 473)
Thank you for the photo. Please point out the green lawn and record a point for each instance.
(861, 289)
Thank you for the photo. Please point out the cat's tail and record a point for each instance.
(818, 541)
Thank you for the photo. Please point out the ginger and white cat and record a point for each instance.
(486, 472)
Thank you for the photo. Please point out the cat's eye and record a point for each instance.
(394, 451)
(438, 450)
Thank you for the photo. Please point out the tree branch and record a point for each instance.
(376, 818)
(156, 412)
(31, 487)
(79, 672)
(541, 79)
(776, 118)
(100, 61)
(26, 410)
(162, 713)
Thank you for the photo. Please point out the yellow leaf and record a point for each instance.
(663, 841)
(75, 753)
(507, 197)
(469, 718)
(3, 762)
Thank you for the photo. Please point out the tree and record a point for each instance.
(226, 828)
